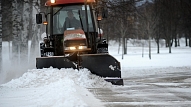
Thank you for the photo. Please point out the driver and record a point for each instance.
(71, 21)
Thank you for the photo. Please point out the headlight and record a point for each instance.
(82, 47)
(74, 48)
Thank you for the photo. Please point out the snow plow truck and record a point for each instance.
(74, 39)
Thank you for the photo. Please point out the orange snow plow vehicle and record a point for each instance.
(73, 41)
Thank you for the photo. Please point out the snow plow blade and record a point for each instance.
(115, 81)
(103, 65)
(55, 62)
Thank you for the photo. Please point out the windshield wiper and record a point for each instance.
(58, 10)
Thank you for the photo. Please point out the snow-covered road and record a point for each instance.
(71, 88)
(165, 89)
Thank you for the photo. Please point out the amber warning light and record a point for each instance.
(45, 23)
(52, 1)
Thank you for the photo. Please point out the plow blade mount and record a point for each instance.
(55, 62)
(103, 65)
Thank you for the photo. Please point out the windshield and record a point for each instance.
(71, 17)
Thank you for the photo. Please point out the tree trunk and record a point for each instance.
(119, 45)
(178, 42)
(170, 38)
(17, 30)
(34, 49)
(149, 47)
(157, 40)
(6, 19)
(158, 50)
(189, 41)
(186, 38)
(175, 41)
(123, 33)
(26, 30)
(0, 38)
(122, 48)
(189, 38)
(125, 45)
(166, 42)
(149, 34)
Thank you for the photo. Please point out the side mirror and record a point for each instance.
(104, 13)
(39, 18)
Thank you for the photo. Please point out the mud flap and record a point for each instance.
(103, 65)
(55, 62)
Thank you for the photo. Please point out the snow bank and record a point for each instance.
(47, 76)
(52, 87)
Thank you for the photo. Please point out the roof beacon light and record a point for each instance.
(53, 1)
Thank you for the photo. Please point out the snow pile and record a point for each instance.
(48, 76)
(53, 88)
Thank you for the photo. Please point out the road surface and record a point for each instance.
(167, 89)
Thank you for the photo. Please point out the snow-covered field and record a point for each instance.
(69, 88)
(137, 58)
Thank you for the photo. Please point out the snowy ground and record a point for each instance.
(71, 88)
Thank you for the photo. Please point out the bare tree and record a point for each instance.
(121, 13)
(147, 21)
(26, 29)
(186, 22)
(171, 20)
(168, 19)
(17, 7)
(17, 27)
(36, 32)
